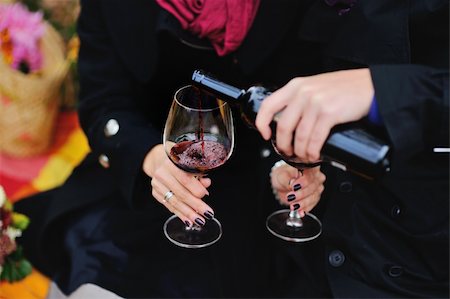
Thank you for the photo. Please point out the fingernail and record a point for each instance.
(188, 224)
(199, 221)
(209, 214)
(297, 187)
(296, 207)
(290, 197)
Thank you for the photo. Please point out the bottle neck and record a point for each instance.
(222, 90)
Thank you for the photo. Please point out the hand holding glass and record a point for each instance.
(198, 137)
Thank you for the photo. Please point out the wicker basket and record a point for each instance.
(29, 103)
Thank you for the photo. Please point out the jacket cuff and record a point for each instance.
(121, 141)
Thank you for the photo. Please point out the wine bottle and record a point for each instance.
(349, 147)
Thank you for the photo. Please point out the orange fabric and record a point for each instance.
(34, 286)
(24, 177)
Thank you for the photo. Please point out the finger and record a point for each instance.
(176, 206)
(181, 189)
(286, 126)
(308, 203)
(180, 208)
(303, 132)
(283, 176)
(319, 134)
(295, 197)
(282, 198)
(206, 182)
(158, 193)
(271, 105)
(182, 217)
(308, 176)
(305, 186)
(187, 180)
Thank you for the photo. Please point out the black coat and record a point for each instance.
(381, 239)
(390, 237)
(103, 226)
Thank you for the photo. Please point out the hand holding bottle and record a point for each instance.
(312, 107)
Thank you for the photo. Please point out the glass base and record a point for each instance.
(195, 236)
(277, 224)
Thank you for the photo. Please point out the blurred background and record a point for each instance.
(40, 138)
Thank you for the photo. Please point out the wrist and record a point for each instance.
(155, 155)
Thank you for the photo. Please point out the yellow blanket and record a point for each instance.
(23, 177)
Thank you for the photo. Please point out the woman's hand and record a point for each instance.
(312, 106)
(300, 190)
(188, 190)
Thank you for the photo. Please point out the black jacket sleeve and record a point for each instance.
(109, 91)
(414, 104)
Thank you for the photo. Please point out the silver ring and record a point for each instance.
(168, 196)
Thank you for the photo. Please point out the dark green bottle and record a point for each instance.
(349, 147)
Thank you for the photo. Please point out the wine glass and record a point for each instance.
(198, 137)
(287, 224)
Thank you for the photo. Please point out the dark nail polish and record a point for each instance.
(297, 187)
(209, 215)
(199, 221)
(188, 224)
(290, 197)
(296, 207)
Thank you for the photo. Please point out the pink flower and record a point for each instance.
(25, 29)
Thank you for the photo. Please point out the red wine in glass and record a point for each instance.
(199, 156)
(198, 137)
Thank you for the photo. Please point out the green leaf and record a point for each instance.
(16, 267)
(24, 268)
(6, 273)
(14, 274)
(20, 221)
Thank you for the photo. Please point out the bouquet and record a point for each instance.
(32, 67)
(13, 265)
(20, 34)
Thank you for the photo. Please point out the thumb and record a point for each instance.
(283, 176)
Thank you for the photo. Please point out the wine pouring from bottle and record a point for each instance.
(348, 147)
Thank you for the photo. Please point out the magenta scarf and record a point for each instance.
(224, 22)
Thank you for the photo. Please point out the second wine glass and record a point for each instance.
(198, 137)
(287, 224)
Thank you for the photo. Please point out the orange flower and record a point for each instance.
(6, 46)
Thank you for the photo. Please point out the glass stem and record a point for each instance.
(294, 219)
(193, 227)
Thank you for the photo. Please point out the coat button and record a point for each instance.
(336, 258)
(395, 271)
(265, 152)
(395, 211)
(104, 161)
(111, 128)
(346, 187)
